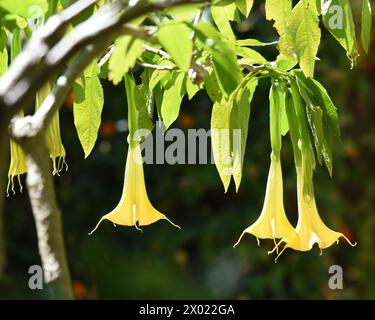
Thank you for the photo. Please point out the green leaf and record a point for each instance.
(304, 34)
(254, 43)
(293, 126)
(175, 38)
(338, 20)
(279, 11)
(244, 6)
(284, 63)
(16, 46)
(130, 88)
(229, 129)
(278, 120)
(127, 51)
(302, 147)
(240, 115)
(212, 88)
(191, 88)
(251, 56)
(330, 117)
(185, 12)
(321, 97)
(158, 98)
(162, 76)
(3, 51)
(140, 103)
(172, 97)
(366, 24)
(226, 68)
(88, 106)
(223, 12)
(322, 116)
(220, 137)
(25, 8)
(144, 103)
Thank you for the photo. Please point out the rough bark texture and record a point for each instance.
(47, 218)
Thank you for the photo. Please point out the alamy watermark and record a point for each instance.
(336, 280)
(193, 146)
(36, 277)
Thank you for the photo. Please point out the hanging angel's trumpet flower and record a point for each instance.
(310, 228)
(53, 136)
(17, 164)
(17, 156)
(272, 222)
(134, 208)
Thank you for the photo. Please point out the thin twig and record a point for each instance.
(158, 52)
(156, 66)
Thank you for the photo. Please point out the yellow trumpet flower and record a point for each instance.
(17, 165)
(272, 222)
(134, 208)
(310, 228)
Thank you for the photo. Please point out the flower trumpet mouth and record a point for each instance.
(310, 227)
(272, 222)
(134, 208)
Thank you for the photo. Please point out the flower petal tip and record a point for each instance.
(172, 223)
(239, 239)
(96, 227)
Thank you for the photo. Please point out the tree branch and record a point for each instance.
(156, 66)
(45, 55)
(47, 218)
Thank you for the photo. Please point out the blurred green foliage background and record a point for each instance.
(198, 262)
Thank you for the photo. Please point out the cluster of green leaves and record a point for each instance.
(183, 44)
(18, 20)
(234, 67)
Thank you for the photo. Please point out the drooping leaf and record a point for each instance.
(240, 115)
(278, 121)
(127, 51)
(160, 75)
(251, 55)
(322, 98)
(229, 128)
(88, 106)
(304, 34)
(366, 24)
(338, 20)
(279, 11)
(140, 107)
(212, 88)
(223, 12)
(244, 6)
(220, 137)
(145, 103)
(191, 88)
(304, 153)
(172, 97)
(226, 68)
(175, 38)
(321, 121)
